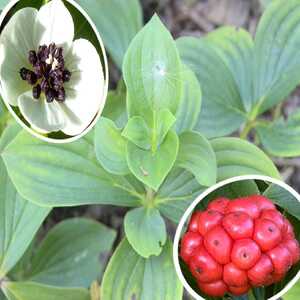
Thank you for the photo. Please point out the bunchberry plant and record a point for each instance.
(63, 265)
(162, 137)
(55, 82)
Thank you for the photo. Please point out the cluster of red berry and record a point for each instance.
(236, 244)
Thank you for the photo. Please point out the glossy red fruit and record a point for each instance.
(193, 224)
(208, 220)
(261, 273)
(218, 244)
(239, 290)
(288, 231)
(293, 246)
(215, 289)
(281, 259)
(275, 216)
(219, 204)
(233, 276)
(263, 202)
(245, 253)
(245, 205)
(189, 243)
(266, 234)
(239, 225)
(203, 267)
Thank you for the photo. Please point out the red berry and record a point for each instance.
(245, 205)
(215, 289)
(189, 242)
(281, 259)
(233, 276)
(266, 234)
(208, 220)
(204, 267)
(239, 225)
(218, 244)
(236, 244)
(262, 202)
(239, 290)
(275, 216)
(288, 231)
(245, 253)
(219, 204)
(293, 246)
(193, 224)
(261, 272)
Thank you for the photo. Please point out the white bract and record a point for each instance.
(52, 100)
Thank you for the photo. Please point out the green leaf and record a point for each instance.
(18, 273)
(19, 222)
(277, 60)
(129, 276)
(293, 293)
(138, 132)
(242, 297)
(176, 193)
(115, 105)
(117, 21)
(237, 157)
(163, 121)
(110, 147)
(146, 231)
(2, 296)
(65, 175)
(152, 168)
(284, 199)
(35, 291)
(265, 3)
(197, 156)
(281, 138)
(236, 47)
(190, 103)
(152, 72)
(9, 134)
(222, 108)
(258, 292)
(73, 253)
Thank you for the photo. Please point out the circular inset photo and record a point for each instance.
(53, 68)
(240, 237)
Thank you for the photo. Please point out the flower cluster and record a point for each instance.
(236, 244)
(49, 73)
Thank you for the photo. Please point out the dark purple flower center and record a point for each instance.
(48, 73)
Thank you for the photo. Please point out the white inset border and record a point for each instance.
(3, 14)
(192, 207)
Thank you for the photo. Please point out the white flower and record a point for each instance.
(56, 82)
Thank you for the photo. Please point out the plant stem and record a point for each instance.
(95, 291)
(150, 196)
(246, 130)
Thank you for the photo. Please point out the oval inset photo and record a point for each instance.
(240, 238)
(53, 68)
